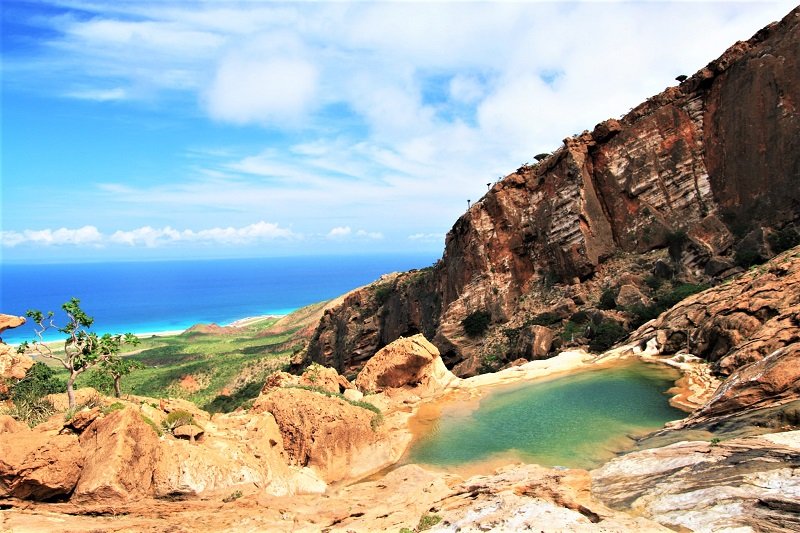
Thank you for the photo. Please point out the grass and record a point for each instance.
(236, 364)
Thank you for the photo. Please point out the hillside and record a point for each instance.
(697, 183)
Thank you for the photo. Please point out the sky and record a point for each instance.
(190, 129)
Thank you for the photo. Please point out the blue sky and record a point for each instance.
(151, 130)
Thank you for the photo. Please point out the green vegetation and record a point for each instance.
(676, 240)
(663, 301)
(235, 495)
(543, 319)
(383, 292)
(605, 335)
(608, 300)
(28, 394)
(82, 349)
(476, 323)
(176, 419)
(427, 521)
(211, 363)
(782, 240)
(377, 418)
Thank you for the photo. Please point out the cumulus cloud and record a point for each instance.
(87, 235)
(346, 232)
(148, 236)
(339, 232)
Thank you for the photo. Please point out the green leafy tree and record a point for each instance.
(82, 350)
(117, 367)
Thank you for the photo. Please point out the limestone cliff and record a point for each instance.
(709, 169)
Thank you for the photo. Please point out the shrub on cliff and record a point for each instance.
(605, 335)
(476, 323)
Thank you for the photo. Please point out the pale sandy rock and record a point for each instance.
(530, 497)
(749, 483)
(10, 322)
(82, 396)
(353, 395)
(120, 453)
(411, 361)
(187, 431)
(542, 341)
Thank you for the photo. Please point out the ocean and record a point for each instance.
(149, 297)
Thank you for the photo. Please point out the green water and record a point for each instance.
(576, 421)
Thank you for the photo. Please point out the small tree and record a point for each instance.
(82, 349)
(116, 367)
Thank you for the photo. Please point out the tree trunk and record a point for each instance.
(70, 389)
(117, 392)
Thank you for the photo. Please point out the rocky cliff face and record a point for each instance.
(709, 169)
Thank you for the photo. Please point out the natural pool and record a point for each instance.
(576, 421)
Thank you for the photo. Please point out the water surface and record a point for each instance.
(576, 421)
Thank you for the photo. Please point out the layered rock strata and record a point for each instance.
(708, 168)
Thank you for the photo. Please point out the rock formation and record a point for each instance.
(748, 328)
(13, 366)
(708, 169)
(748, 484)
(406, 362)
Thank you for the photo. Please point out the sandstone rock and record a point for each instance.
(82, 419)
(337, 439)
(630, 295)
(9, 425)
(246, 450)
(83, 396)
(322, 377)
(742, 484)
(120, 453)
(38, 465)
(411, 361)
(10, 321)
(353, 395)
(280, 379)
(542, 341)
(188, 431)
(13, 366)
(748, 326)
(685, 160)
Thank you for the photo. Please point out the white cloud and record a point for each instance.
(87, 235)
(271, 91)
(339, 232)
(148, 236)
(427, 237)
(372, 235)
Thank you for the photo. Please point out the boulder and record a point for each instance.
(631, 295)
(408, 361)
(321, 377)
(542, 341)
(82, 419)
(188, 431)
(120, 453)
(245, 450)
(10, 321)
(9, 425)
(337, 439)
(37, 465)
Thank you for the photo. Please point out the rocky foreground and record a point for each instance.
(289, 463)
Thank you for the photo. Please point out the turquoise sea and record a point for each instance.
(173, 295)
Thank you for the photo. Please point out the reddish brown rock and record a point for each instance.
(39, 465)
(13, 366)
(542, 341)
(715, 159)
(82, 419)
(335, 438)
(120, 453)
